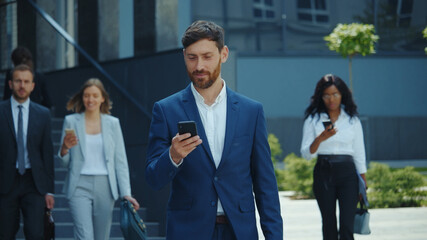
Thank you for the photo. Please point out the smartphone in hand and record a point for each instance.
(328, 124)
(187, 127)
(70, 131)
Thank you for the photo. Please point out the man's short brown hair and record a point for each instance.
(201, 29)
(21, 67)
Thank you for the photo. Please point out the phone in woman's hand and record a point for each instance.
(328, 124)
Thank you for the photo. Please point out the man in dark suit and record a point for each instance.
(26, 159)
(219, 174)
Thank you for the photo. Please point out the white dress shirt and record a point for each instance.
(348, 140)
(214, 119)
(25, 116)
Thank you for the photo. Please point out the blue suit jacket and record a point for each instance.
(114, 152)
(245, 170)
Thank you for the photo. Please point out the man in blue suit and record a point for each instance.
(26, 159)
(216, 175)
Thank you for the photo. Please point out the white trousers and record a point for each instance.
(91, 207)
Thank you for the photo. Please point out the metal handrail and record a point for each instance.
(71, 40)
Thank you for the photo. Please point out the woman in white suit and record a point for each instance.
(93, 150)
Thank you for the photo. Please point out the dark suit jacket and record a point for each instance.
(39, 146)
(245, 170)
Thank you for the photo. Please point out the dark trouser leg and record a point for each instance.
(347, 192)
(32, 206)
(223, 232)
(9, 212)
(326, 199)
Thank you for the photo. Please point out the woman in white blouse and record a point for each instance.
(340, 152)
(94, 153)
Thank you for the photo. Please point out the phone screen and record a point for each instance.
(327, 124)
(187, 127)
(70, 131)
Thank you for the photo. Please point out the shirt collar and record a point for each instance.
(15, 103)
(343, 115)
(221, 96)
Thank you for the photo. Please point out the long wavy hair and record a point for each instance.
(76, 104)
(317, 106)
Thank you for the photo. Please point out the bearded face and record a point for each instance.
(204, 78)
(203, 61)
(21, 85)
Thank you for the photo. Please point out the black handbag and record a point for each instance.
(133, 227)
(361, 220)
(49, 225)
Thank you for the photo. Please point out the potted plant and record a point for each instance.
(351, 39)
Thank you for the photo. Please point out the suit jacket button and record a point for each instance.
(216, 179)
(213, 203)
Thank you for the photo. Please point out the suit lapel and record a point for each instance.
(81, 133)
(8, 113)
(105, 130)
(190, 108)
(32, 124)
(231, 122)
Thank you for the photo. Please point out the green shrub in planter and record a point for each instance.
(275, 148)
(400, 188)
(298, 176)
(425, 36)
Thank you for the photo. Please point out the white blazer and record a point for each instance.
(114, 150)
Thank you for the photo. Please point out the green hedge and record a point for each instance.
(400, 188)
(387, 188)
(297, 176)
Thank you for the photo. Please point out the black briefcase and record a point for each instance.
(49, 225)
(133, 227)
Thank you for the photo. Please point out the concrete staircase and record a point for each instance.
(61, 212)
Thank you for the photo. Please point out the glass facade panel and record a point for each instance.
(304, 3)
(322, 18)
(320, 4)
(269, 14)
(305, 17)
(268, 2)
(257, 12)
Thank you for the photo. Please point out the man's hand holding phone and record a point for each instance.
(185, 141)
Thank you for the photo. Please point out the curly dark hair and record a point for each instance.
(317, 106)
(201, 29)
(21, 55)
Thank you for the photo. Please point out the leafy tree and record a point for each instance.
(351, 39)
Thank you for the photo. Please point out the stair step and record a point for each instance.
(57, 123)
(111, 238)
(65, 230)
(63, 214)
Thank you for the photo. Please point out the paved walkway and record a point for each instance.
(302, 221)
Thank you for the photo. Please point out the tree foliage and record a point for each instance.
(351, 39)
